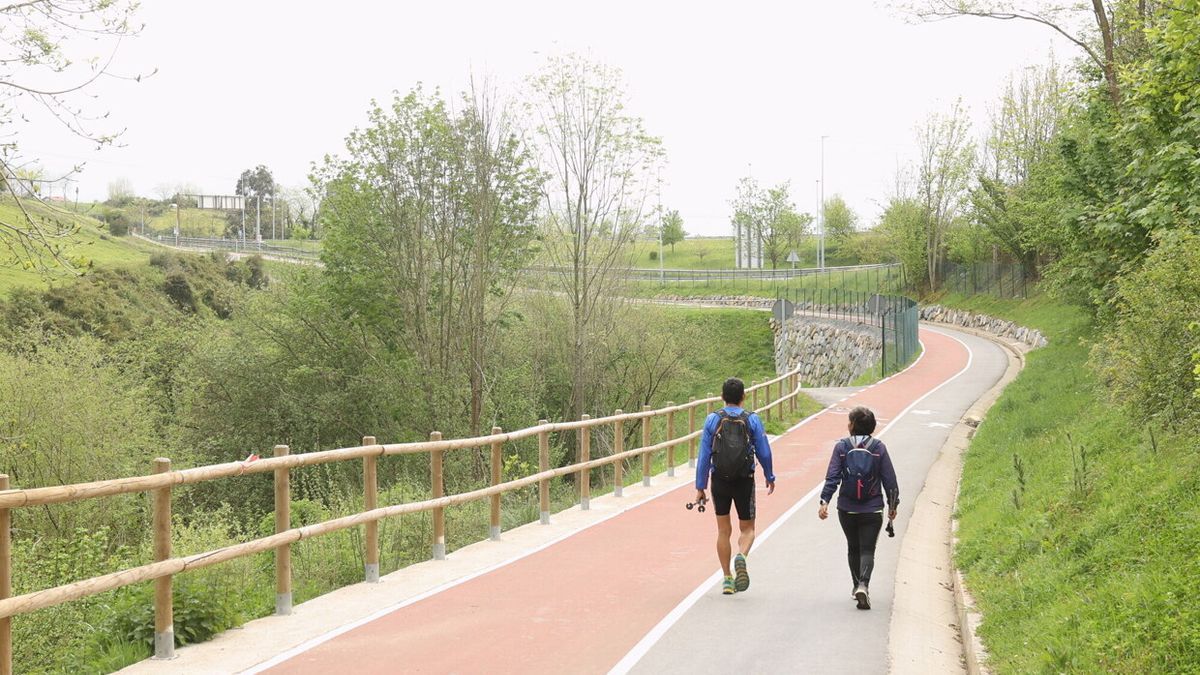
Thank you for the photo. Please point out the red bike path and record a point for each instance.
(581, 604)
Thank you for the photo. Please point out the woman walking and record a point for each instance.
(860, 470)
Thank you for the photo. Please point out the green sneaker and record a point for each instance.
(743, 577)
(727, 587)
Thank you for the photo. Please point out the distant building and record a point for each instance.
(748, 248)
(222, 202)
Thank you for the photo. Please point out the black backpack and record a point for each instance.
(732, 449)
(860, 470)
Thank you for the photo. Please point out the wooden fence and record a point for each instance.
(161, 482)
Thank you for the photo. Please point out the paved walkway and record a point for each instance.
(638, 589)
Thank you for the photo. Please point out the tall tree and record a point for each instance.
(943, 175)
(1008, 200)
(600, 166)
(256, 183)
(428, 219)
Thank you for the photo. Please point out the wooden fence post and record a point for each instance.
(544, 465)
(585, 475)
(164, 614)
(670, 440)
(792, 381)
(437, 484)
(497, 466)
(646, 421)
(370, 503)
(283, 522)
(618, 448)
(5, 582)
(695, 442)
(753, 397)
(768, 402)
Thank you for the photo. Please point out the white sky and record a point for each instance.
(730, 87)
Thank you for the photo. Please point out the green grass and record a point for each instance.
(1088, 563)
(717, 253)
(192, 222)
(92, 241)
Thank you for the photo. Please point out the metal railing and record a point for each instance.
(161, 483)
(1004, 280)
(896, 316)
(248, 246)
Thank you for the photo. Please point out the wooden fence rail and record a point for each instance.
(160, 485)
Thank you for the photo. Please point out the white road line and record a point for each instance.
(646, 643)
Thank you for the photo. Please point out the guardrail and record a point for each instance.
(161, 482)
(675, 275)
(236, 246)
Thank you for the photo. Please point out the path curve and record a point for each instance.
(588, 603)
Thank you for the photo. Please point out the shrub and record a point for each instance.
(201, 610)
(654, 255)
(117, 222)
(1146, 359)
(180, 291)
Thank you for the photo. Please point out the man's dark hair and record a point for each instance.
(862, 421)
(733, 391)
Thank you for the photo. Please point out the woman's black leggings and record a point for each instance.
(862, 531)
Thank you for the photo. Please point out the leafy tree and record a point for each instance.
(256, 183)
(600, 165)
(904, 225)
(428, 219)
(672, 229)
(1010, 202)
(841, 222)
(768, 219)
(1129, 172)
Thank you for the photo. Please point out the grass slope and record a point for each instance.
(1085, 558)
(92, 241)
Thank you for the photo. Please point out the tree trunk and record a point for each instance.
(1110, 65)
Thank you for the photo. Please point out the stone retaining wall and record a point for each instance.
(829, 352)
(1000, 327)
(742, 301)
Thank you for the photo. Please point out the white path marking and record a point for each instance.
(643, 647)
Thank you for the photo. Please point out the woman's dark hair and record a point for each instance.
(733, 391)
(862, 421)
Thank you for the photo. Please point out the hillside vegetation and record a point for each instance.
(1079, 518)
(99, 248)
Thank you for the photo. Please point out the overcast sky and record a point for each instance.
(731, 88)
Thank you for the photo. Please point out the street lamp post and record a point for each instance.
(821, 211)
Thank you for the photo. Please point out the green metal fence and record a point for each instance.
(896, 317)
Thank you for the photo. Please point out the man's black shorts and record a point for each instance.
(740, 492)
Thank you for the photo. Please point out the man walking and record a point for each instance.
(732, 438)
